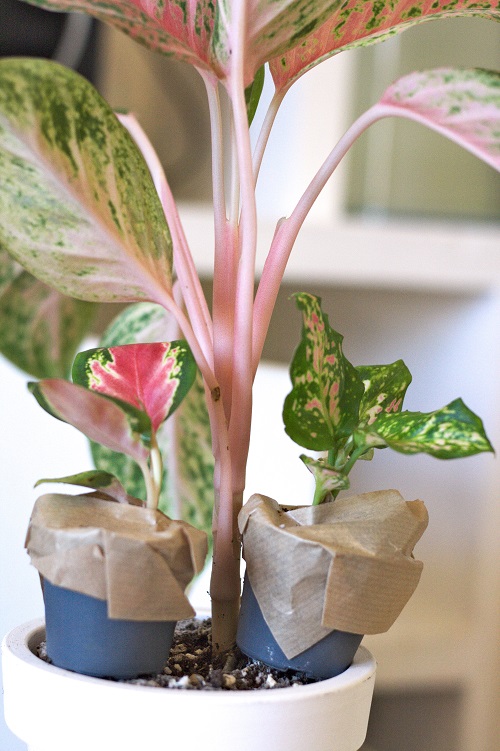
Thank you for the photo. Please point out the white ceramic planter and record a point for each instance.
(52, 709)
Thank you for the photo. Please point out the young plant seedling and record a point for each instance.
(350, 411)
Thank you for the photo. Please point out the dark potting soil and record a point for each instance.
(191, 666)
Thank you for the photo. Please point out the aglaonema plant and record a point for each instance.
(348, 411)
(86, 209)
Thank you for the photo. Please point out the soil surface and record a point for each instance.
(190, 666)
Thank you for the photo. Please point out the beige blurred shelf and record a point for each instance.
(432, 256)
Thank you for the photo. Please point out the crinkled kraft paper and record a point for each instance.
(344, 565)
(136, 559)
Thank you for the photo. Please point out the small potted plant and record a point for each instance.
(319, 577)
(113, 569)
(85, 208)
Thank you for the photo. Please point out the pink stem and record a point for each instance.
(239, 430)
(288, 229)
(192, 292)
(265, 131)
(224, 260)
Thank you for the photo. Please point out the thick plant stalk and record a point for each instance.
(241, 408)
(232, 456)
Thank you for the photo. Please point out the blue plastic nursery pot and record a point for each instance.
(329, 657)
(81, 637)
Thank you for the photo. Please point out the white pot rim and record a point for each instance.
(52, 709)
(21, 642)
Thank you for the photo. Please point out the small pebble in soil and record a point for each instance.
(191, 666)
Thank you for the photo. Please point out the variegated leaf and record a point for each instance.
(201, 32)
(41, 328)
(385, 387)
(328, 481)
(463, 105)
(9, 270)
(78, 208)
(104, 482)
(323, 406)
(180, 28)
(184, 440)
(154, 378)
(120, 427)
(140, 323)
(356, 23)
(448, 433)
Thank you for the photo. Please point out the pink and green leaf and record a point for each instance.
(41, 328)
(463, 105)
(184, 440)
(355, 24)
(106, 483)
(201, 32)
(385, 388)
(323, 406)
(119, 426)
(448, 433)
(179, 28)
(154, 378)
(78, 208)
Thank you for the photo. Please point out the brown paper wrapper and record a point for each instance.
(136, 559)
(345, 565)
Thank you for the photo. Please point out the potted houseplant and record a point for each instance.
(80, 212)
(355, 569)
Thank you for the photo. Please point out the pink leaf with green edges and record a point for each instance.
(463, 105)
(356, 24)
(120, 428)
(154, 378)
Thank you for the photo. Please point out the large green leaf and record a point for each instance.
(41, 328)
(323, 406)
(78, 208)
(448, 433)
(356, 23)
(184, 440)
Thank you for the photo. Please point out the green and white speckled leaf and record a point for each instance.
(463, 105)
(78, 208)
(184, 440)
(9, 270)
(356, 23)
(323, 406)
(448, 433)
(385, 387)
(41, 328)
(106, 483)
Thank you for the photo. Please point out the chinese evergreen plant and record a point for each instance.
(83, 211)
(348, 412)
